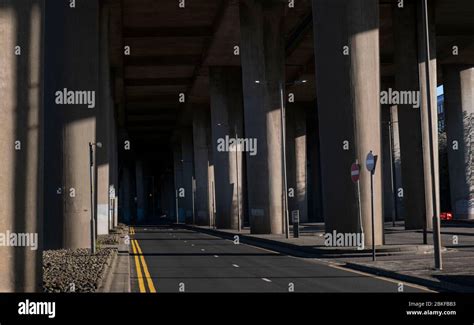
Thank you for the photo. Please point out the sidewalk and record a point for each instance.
(403, 257)
(118, 276)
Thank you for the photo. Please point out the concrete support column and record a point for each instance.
(413, 123)
(167, 197)
(72, 100)
(387, 167)
(263, 74)
(113, 176)
(227, 119)
(140, 185)
(178, 179)
(201, 136)
(314, 169)
(188, 172)
(350, 83)
(103, 129)
(459, 108)
(126, 198)
(397, 162)
(21, 142)
(296, 157)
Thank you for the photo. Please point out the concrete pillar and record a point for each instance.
(387, 168)
(21, 143)
(211, 185)
(413, 125)
(188, 172)
(72, 63)
(126, 195)
(114, 174)
(227, 119)
(315, 213)
(263, 74)
(201, 136)
(296, 158)
(178, 179)
(140, 186)
(350, 83)
(459, 108)
(397, 162)
(103, 130)
(167, 196)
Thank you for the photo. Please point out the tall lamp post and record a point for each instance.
(436, 221)
(92, 186)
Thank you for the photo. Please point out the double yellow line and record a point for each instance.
(138, 255)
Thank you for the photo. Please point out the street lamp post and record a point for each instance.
(92, 186)
(285, 179)
(436, 221)
(239, 222)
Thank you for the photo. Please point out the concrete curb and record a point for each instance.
(301, 251)
(106, 277)
(435, 285)
(120, 259)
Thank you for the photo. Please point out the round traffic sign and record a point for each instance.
(370, 162)
(355, 172)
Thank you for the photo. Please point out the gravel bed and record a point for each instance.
(111, 239)
(74, 270)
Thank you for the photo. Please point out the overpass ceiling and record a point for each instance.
(172, 48)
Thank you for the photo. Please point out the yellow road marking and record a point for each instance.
(141, 284)
(145, 269)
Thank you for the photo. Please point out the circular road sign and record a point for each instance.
(355, 172)
(370, 162)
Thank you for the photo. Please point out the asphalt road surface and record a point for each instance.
(164, 259)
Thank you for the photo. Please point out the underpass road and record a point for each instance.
(166, 259)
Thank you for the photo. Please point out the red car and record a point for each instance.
(446, 216)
